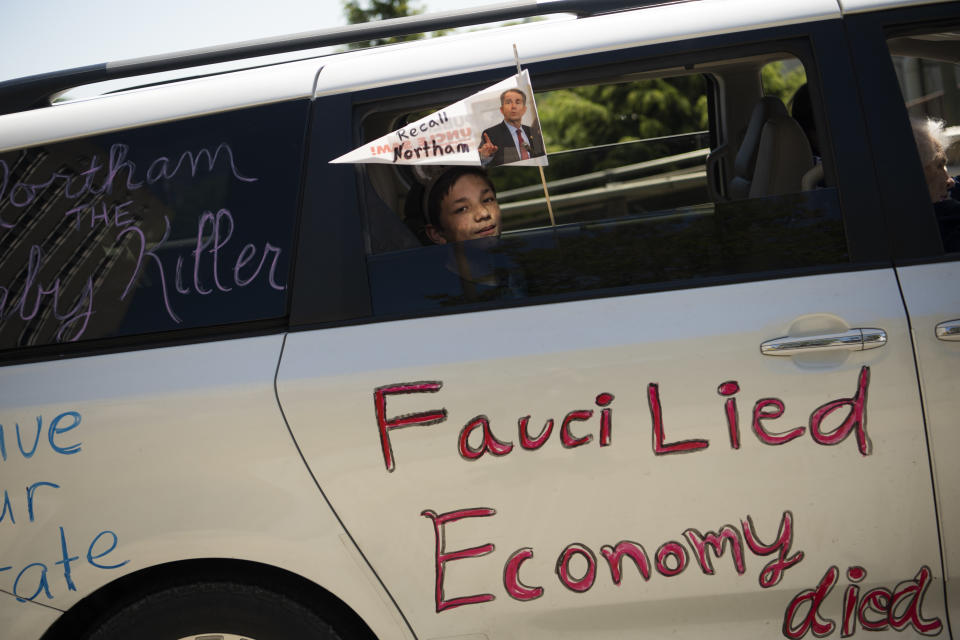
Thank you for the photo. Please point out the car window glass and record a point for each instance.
(645, 188)
(930, 85)
(174, 226)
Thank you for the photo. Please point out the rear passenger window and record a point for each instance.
(174, 226)
(674, 178)
(930, 84)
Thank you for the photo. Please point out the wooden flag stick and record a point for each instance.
(543, 177)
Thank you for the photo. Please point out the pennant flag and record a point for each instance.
(496, 126)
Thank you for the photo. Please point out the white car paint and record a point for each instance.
(160, 103)
(932, 296)
(849, 510)
(169, 442)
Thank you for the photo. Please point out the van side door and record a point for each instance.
(664, 416)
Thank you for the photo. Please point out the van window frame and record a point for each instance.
(809, 42)
(905, 201)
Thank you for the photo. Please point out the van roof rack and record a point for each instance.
(31, 92)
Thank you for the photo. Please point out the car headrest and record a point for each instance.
(783, 158)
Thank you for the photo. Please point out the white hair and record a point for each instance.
(930, 137)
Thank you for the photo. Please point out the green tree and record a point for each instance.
(600, 120)
(782, 80)
(380, 10)
(616, 113)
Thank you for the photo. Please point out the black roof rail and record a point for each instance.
(31, 92)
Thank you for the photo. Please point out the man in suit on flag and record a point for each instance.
(510, 141)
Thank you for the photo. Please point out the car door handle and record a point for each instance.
(850, 340)
(949, 330)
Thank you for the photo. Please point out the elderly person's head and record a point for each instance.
(931, 143)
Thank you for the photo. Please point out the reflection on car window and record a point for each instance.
(645, 187)
(615, 149)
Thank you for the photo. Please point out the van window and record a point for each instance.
(179, 225)
(610, 145)
(930, 84)
(661, 180)
(782, 78)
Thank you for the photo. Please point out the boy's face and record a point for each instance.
(468, 211)
(513, 107)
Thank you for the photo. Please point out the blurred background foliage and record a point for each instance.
(375, 10)
(616, 113)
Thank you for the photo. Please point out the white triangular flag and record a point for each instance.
(473, 131)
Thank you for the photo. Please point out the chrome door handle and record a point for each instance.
(851, 340)
(949, 330)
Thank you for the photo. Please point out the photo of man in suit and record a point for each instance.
(510, 141)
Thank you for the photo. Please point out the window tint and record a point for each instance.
(930, 85)
(646, 188)
(615, 149)
(178, 225)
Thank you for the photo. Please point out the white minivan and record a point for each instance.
(710, 389)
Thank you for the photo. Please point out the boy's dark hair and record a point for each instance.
(442, 185)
